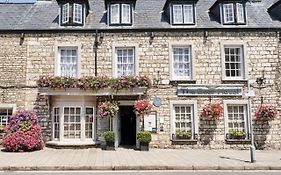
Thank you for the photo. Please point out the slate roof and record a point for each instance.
(43, 15)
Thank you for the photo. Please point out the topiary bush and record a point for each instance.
(23, 133)
(144, 136)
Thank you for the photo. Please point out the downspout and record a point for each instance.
(96, 45)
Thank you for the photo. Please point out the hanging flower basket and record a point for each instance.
(108, 108)
(142, 107)
(212, 110)
(266, 112)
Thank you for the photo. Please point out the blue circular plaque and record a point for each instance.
(157, 101)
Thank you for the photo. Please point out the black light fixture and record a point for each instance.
(21, 38)
(156, 81)
(261, 81)
(151, 37)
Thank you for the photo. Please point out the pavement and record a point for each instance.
(51, 159)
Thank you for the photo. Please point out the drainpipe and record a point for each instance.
(96, 44)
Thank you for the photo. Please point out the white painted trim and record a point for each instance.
(244, 55)
(59, 46)
(236, 102)
(122, 15)
(8, 105)
(224, 14)
(192, 59)
(111, 13)
(81, 15)
(195, 119)
(114, 56)
(93, 123)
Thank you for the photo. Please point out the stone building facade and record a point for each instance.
(27, 54)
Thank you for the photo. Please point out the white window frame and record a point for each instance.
(8, 106)
(174, 16)
(82, 123)
(192, 14)
(58, 48)
(181, 44)
(247, 117)
(225, 20)
(240, 15)
(65, 13)
(123, 15)
(115, 61)
(244, 61)
(80, 13)
(195, 119)
(118, 14)
(93, 123)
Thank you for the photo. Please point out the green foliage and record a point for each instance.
(144, 136)
(237, 133)
(2, 128)
(109, 136)
(183, 134)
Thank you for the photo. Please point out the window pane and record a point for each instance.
(68, 62)
(233, 61)
(177, 14)
(72, 125)
(228, 13)
(78, 13)
(181, 62)
(236, 117)
(240, 13)
(56, 123)
(183, 118)
(188, 13)
(65, 13)
(126, 13)
(5, 114)
(89, 123)
(114, 14)
(125, 61)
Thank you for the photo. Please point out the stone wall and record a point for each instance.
(21, 66)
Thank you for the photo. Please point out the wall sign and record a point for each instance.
(157, 101)
(210, 90)
(150, 122)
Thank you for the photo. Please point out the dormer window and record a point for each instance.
(233, 13)
(183, 14)
(180, 12)
(72, 14)
(120, 13)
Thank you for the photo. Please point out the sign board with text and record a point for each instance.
(210, 90)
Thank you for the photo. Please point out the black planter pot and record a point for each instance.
(144, 146)
(109, 146)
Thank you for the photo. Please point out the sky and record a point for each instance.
(18, 1)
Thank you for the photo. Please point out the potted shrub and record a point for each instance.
(266, 112)
(144, 137)
(212, 110)
(183, 134)
(236, 134)
(109, 138)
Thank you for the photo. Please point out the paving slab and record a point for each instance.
(129, 159)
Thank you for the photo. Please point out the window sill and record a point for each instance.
(243, 81)
(176, 82)
(238, 141)
(184, 141)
